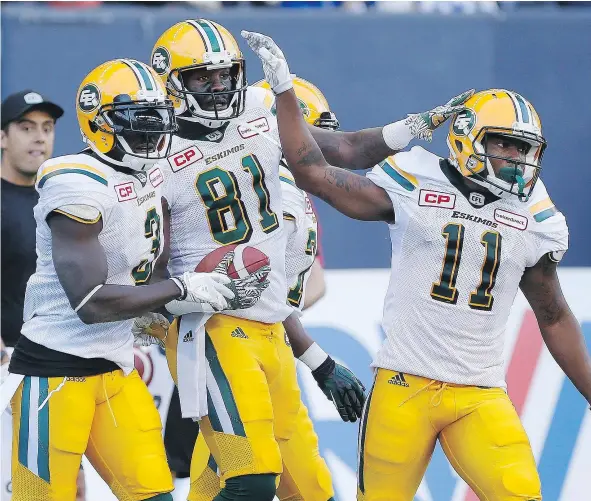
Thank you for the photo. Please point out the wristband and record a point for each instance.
(313, 357)
(397, 135)
(180, 283)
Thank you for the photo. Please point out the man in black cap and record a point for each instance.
(28, 125)
(28, 128)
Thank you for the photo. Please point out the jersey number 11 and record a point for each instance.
(445, 290)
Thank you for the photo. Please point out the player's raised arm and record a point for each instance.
(351, 194)
(365, 148)
(559, 327)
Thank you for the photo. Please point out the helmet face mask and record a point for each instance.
(492, 118)
(201, 46)
(207, 104)
(513, 175)
(140, 129)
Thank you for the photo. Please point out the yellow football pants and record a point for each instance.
(479, 430)
(110, 418)
(305, 475)
(252, 393)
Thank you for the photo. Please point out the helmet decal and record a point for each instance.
(89, 98)
(464, 122)
(161, 60)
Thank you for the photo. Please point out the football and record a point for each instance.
(247, 261)
(143, 363)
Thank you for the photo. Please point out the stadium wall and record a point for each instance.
(373, 69)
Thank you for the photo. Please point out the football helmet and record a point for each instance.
(124, 114)
(195, 44)
(312, 102)
(500, 112)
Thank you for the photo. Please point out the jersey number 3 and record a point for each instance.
(225, 202)
(445, 290)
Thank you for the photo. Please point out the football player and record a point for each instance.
(467, 232)
(305, 474)
(225, 190)
(100, 241)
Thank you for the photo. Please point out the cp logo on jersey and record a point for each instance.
(184, 158)
(125, 191)
(430, 198)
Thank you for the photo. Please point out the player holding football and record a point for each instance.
(305, 474)
(466, 233)
(100, 241)
(225, 190)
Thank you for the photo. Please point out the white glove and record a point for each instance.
(203, 293)
(275, 66)
(151, 328)
(423, 124)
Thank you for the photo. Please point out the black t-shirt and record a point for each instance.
(18, 255)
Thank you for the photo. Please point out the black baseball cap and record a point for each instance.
(19, 103)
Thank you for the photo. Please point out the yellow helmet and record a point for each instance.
(124, 113)
(312, 102)
(499, 112)
(196, 44)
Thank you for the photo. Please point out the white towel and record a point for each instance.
(191, 365)
(8, 389)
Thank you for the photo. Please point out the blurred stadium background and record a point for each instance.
(375, 62)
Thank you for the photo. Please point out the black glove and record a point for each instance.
(341, 386)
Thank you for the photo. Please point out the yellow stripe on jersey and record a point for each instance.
(403, 178)
(288, 217)
(543, 209)
(79, 219)
(56, 170)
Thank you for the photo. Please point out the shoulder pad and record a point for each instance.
(540, 205)
(419, 163)
(257, 97)
(79, 168)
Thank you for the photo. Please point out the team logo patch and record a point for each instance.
(161, 60)
(33, 98)
(184, 158)
(253, 127)
(430, 198)
(216, 135)
(464, 122)
(304, 108)
(510, 219)
(476, 199)
(89, 98)
(125, 191)
(156, 177)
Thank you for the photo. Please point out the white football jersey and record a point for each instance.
(222, 189)
(132, 237)
(457, 260)
(301, 231)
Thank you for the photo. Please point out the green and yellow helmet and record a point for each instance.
(500, 112)
(314, 105)
(194, 44)
(123, 110)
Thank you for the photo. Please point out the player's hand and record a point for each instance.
(203, 293)
(275, 66)
(248, 290)
(341, 386)
(423, 124)
(151, 328)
